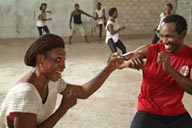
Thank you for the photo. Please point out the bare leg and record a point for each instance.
(70, 39)
(100, 40)
(92, 29)
(100, 32)
(86, 39)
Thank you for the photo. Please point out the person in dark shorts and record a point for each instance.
(77, 22)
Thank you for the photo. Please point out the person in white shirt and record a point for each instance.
(100, 16)
(41, 22)
(31, 102)
(167, 12)
(113, 31)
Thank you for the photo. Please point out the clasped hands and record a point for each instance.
(118, 61)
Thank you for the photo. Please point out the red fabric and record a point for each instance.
(105, 21)
(160, 93)
(11, 115)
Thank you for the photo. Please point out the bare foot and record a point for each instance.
(100, 40)
(70, 42)
(86, 39)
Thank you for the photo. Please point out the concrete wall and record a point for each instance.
(18, 17)
(184, 8)
(139, 16)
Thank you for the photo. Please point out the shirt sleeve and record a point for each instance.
(108, 23)
(162, 15)
(61, 85)
(25, 101)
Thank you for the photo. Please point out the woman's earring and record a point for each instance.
(33, 70)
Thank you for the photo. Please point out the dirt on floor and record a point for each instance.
(112, 106)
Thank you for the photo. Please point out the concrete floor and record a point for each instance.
(112, 106)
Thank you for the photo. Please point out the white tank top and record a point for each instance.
(115, 36)
(100, 14)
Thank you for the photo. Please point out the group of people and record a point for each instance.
(75, 17)
(166, 68)
(112, 26)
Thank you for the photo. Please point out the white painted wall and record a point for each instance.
(18, 17)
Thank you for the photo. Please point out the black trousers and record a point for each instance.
(40, 29)
(100, 30)
(144, 119)
(155, 37)
(113, 46)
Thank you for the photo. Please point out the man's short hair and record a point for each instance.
(99, 3)
(43, 4)
(180, 22)
(76, 5)
(169, 5)
(112, 10)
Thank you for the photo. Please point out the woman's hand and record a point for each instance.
(115, 61)
(49, 19)
(49, 12)
(69, 99)
(122, 28)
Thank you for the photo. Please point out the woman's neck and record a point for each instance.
(39, 80)
(113, 19)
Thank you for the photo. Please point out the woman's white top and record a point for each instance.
(24, 97)
(115, 36)
(100, 14)
(40, 22)
(162, 17)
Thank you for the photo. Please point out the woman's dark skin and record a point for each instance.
(49, 67)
